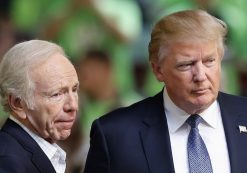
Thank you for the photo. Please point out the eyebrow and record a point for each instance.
(181, 59)
(186, 55)
(52, 89)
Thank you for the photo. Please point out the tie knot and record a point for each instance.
(194, 120)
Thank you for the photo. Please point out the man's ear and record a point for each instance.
(157, 71)
(16, 106)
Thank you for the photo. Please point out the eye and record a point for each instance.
(75, 88)
(184, 66)
(210, 62)
(56, 94)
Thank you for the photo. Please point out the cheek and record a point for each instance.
(55, 111)
(178, 81)
(51, 112)
(37, 120)
(215, 78)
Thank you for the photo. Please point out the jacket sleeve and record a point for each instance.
(98, 155)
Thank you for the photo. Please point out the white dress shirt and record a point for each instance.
(54, 153)
(211, 131)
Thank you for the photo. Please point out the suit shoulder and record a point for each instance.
(229, 97)
(11, 151)
(9, 145)
(134, 113)
(232, 101)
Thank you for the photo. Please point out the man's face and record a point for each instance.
(191, 73)
(55, 97)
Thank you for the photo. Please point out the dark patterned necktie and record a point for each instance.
(198, 157)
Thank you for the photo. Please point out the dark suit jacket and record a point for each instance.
(19, 153)
(136, 139)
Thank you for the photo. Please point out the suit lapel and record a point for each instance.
(155, 138)
(233, 116)
(42, 163)
(39, 158)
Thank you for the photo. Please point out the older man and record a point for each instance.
(188, 127)
(38, 89)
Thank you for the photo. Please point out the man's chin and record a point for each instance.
(65, 134)
(202, 105)
(204, 100)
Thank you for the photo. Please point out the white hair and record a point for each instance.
(15, 70)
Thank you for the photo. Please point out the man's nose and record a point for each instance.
(71, 102)
(199, 72)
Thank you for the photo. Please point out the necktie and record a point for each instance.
(199, 160)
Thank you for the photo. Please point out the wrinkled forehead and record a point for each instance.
(55, 71)
(188, 47)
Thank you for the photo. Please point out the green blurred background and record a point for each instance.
(122, 29)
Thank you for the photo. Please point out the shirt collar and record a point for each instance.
(176, 117)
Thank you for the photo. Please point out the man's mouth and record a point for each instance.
(67, 123)
(200, 91)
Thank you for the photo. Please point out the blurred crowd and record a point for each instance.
(107, 42)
